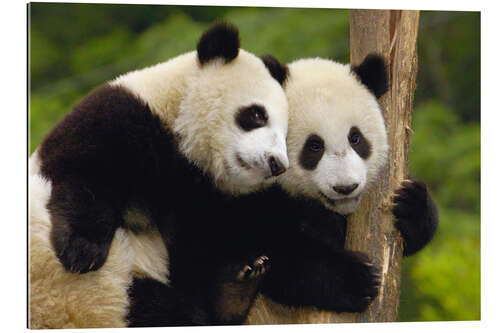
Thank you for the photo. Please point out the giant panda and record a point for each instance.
(146, 161)
(337, 145)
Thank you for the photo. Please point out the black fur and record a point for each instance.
(154, 304)
(234, 298)
(340, 281)
(309, 264)
(361, 146)
(416, 215)
(373, 74)
(278, 71)
(311, 267)
(251, 117)
(221, 40)
(311, 152)
(109, 137)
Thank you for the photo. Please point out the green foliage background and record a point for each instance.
(75, 47)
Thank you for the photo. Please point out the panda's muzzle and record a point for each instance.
(276, 167)
(345, 189)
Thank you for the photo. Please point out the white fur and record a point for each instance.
(150, 256)
(326, 99)
(34, 163)
(199, 104)
(60, 299)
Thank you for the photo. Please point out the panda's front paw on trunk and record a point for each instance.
(416, 215)
(78, 254)
(360, 284)
(255, 269)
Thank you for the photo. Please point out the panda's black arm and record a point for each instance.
(309, 266)
(99, 157)
(416, 215)
(84, 220)
(340, 281)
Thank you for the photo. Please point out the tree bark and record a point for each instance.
(392, 34)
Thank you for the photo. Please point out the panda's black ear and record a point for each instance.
(221, 40)
(277, 70)
(373, 74)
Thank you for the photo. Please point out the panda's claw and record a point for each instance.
(368, 299)
(415, 214)
(78, 255)
(254, 269)
(244, 273)
(361, 283)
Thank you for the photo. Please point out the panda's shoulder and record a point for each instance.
(107, 127)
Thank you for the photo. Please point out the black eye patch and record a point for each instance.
(312, 152)
(359, 143)
(251, 117)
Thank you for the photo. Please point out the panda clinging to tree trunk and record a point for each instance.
(336, 145)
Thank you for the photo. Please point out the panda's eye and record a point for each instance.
(251, 117)
(259, 114)
(312, 152)
(315, 145)
(354, 138)
(359, 143)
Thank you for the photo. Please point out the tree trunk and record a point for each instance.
(392, 34)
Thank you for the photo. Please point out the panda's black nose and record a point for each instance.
(277, 168)
(345, 189)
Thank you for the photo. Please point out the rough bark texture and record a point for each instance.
(393, 34)
(371, 228)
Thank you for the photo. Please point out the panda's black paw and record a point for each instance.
(416, 215)
(80, 255)
(254, 269)
(361, 284)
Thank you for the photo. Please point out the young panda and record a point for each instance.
(337, 145)
(163, 150)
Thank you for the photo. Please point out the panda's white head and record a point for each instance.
(337, 140)
(233, 121)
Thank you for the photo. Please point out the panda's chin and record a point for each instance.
(343, 206)
(241, 176)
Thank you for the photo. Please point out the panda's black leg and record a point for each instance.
(416, 215)
(235, 289)
(342, 281)
(83, 225)
(154, 304)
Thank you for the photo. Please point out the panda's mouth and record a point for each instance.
(335, 202)
(243, 163)
(246, 165)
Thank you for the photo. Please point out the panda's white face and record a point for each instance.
(233, 123)
(336, 138)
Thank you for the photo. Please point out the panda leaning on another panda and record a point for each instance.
(337, 145)
(158, 151)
